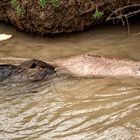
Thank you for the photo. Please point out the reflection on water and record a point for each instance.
(69, 108)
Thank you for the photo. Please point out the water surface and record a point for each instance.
(69, 108)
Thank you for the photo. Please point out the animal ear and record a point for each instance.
(33, 65)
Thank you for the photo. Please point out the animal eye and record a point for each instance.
(33, 66)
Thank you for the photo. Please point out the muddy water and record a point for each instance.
(69, 108)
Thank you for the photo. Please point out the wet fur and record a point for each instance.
(31, 70)
(88, 65)
(85, 65)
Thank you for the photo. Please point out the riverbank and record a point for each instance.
(64, 16)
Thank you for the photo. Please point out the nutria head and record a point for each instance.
(31, 70)
(35, 63)
(36, 70)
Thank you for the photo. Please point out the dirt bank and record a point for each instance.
(60, 16)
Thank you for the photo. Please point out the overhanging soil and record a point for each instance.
(67, 16)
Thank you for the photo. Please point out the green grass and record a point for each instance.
(43, 2)
(18, 8)
(54, 3)
(98, 14)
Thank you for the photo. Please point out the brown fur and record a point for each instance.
(85, 65)
(88, 65)
(31, 70)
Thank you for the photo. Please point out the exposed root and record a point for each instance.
(136, 34)
(120, 14)
(68, 16)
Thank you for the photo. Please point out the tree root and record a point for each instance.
(121, 15)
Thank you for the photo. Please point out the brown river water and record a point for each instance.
(69, 108)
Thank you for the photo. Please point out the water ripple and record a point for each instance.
(59, 109)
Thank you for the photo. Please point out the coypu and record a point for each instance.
(31, 70)
(85, 65)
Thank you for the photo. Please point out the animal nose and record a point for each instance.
(50, 71)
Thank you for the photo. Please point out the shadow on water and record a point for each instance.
(69, 108)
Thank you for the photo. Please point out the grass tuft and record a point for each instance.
(98, 14)
(17, 6)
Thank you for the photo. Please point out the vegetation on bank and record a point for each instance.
(60, 16)
(18, 7)
(98, 14)
(52, 2)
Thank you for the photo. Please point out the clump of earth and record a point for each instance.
(60, 16)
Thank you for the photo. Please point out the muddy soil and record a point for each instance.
(62, 16)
